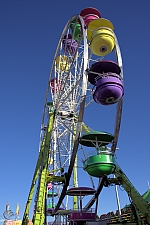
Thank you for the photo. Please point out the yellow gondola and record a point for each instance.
(62, 63)
(101, 36)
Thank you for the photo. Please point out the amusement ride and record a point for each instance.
(82, 73)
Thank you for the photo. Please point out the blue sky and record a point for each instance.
(30, 31)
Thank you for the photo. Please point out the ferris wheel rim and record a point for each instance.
(82, 105)
(53, 66)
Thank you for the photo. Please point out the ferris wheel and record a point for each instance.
(80, 75)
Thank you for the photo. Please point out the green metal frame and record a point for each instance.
(41, 167)
(137, 199)
(40, 207)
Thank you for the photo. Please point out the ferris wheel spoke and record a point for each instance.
(73, 157)
(67, 96)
